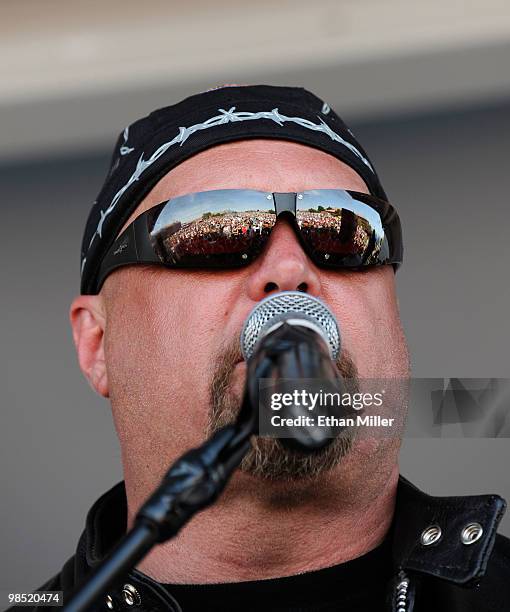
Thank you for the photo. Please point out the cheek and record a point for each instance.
(367, 311)
(160, 340)
(164, 319)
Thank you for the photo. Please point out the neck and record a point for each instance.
(261, 529)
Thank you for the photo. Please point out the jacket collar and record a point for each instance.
(419, 520)
(454, 521)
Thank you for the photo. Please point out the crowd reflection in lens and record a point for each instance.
(217, 233)
(332, 232)
(340, 232)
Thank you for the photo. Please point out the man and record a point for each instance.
(339, 530)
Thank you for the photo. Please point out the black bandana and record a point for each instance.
(150, 147)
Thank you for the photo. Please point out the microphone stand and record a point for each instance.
(192, 483)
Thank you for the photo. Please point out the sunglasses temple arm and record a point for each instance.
(131, 247)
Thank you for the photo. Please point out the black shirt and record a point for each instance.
(446, 577)
(355, 586)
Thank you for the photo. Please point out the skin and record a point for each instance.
(150, 340)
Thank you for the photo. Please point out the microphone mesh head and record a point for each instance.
(285, 306)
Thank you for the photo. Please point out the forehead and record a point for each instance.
(266, 165)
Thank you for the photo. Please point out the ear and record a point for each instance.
(88, 321)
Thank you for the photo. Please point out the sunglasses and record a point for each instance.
(229, 228)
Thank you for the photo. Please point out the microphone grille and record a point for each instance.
(284, 306)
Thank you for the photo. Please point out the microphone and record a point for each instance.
(290, 340)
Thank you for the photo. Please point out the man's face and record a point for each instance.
(169, 332)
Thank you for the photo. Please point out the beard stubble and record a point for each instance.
(268, 458)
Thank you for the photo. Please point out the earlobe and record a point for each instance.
(87, 316)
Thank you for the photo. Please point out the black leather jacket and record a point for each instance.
(447, 575)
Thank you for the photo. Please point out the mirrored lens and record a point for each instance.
(341, 230)
(226, 227)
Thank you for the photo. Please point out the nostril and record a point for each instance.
(270, 287)
(303, 287)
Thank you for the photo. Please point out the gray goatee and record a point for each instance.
(268, 458)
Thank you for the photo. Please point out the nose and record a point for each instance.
(283, 266)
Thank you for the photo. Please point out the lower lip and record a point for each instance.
(239, 370)
(238, 377)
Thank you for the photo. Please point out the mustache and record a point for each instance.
(230, 355)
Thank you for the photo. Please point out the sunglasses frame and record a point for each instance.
(135, 247)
